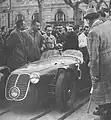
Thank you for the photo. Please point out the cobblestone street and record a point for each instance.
(22, 111)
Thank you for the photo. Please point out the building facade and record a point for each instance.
(54, 12)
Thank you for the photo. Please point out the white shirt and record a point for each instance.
(82, 38)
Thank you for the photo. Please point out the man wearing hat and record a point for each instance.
(99, 46)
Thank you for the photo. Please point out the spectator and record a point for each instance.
(76, 29)
(49, 39)
(33, 41)
(83, 39)
(15, 49)
(100, 58)
(71, 40)
(102, 15)
(3, 31)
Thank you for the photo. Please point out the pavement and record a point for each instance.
(25, 113)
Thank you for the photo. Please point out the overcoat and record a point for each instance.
(15, 50)
(33, 43)
(99, 46)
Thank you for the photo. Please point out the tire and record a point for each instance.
(62, 87)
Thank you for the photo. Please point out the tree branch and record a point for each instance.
(69, 2)
(76, 3)
(106, 4)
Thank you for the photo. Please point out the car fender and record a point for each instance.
(66, 68)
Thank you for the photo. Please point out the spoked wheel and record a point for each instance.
(65, 90)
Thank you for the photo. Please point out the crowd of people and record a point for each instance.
(20, 46)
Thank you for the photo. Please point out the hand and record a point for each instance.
(42, 49)
(94, 80)
(89, 64)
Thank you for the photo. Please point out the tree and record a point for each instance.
(40, 6)
(74, 4)
(40, 3)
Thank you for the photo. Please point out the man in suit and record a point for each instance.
(99, 46)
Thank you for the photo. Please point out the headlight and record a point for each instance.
(34, 78)
(14, 92)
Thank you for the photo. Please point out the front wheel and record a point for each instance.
(65, 90)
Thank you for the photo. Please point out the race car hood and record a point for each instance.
(46, 65)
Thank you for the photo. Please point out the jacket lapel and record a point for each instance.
(96, 23)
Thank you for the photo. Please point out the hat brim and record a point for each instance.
(90, 16)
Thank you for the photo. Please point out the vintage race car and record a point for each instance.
(59, 76)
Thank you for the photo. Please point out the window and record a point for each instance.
(60, 16)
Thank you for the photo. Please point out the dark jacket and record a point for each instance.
(71, 41)
(33, 43)
(15, 50)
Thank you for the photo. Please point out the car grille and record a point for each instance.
(23, 84)
(10, 83)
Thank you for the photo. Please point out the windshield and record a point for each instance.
(50, 53)
(68, 53)
(73, 53)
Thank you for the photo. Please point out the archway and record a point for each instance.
(60, 16)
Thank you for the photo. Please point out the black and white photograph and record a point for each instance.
(55, 61)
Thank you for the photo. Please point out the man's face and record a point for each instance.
(22, 27)
(80, 29)
(70, 29)
(86, 30)
(49, 30)
(36, 27)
